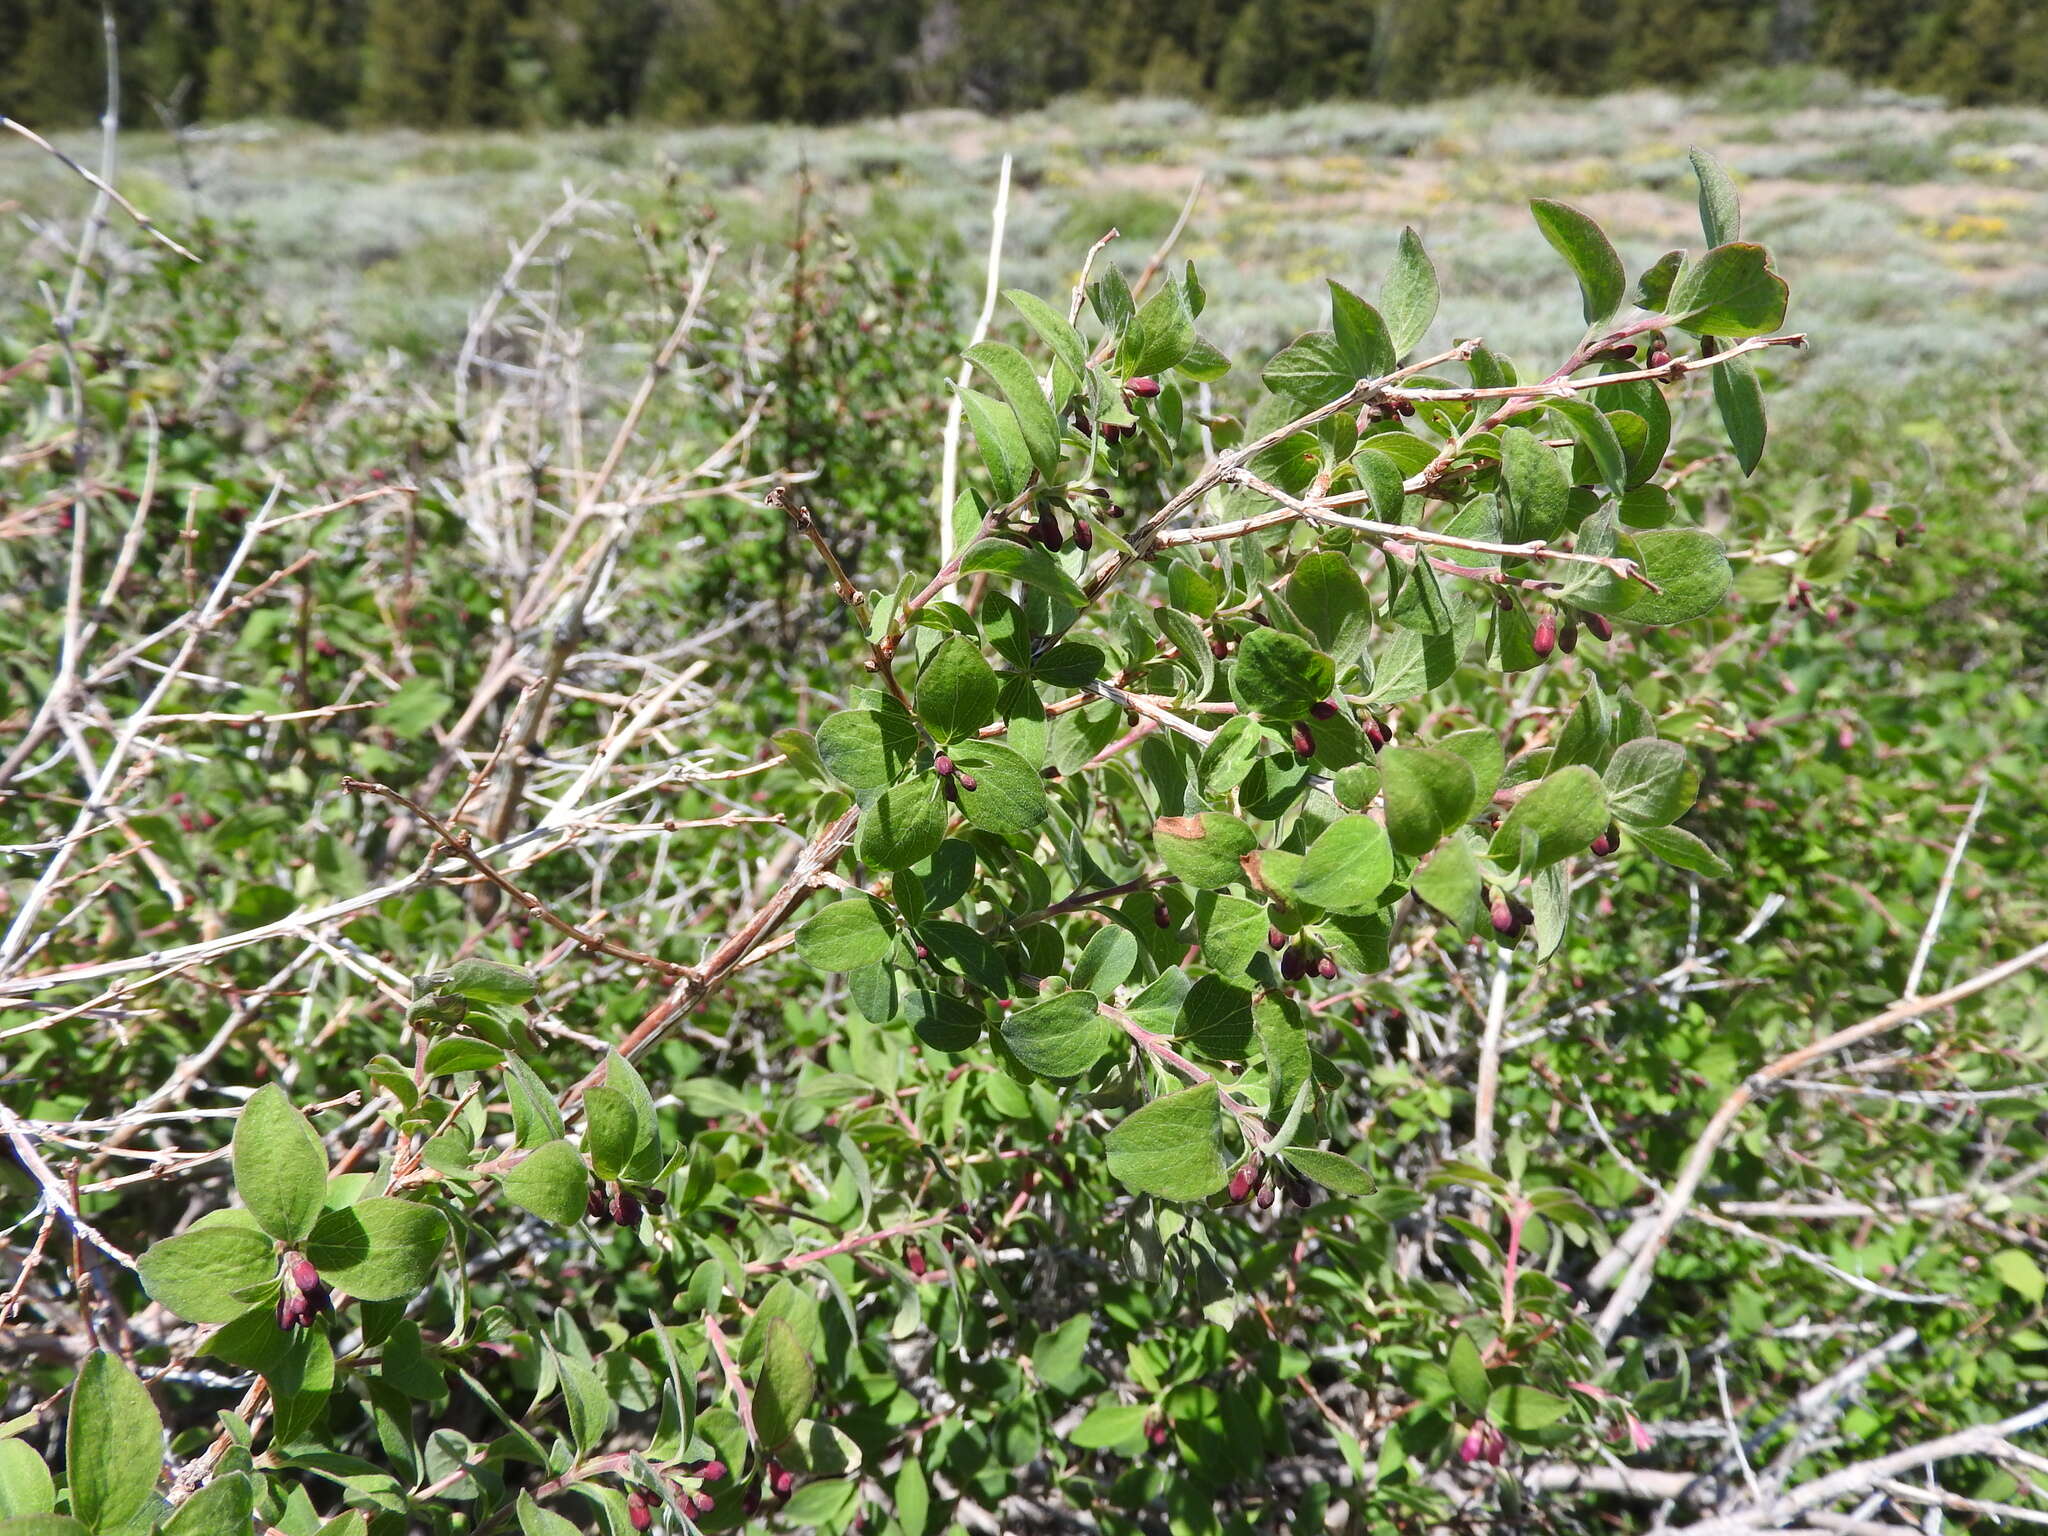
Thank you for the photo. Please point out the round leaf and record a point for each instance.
(280, 1166)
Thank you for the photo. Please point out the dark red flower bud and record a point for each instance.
(1523, 916)
(1568, 637)
(1219, 649)
(1144, 389)
(942, 765)
(1544, 641)
(304, 1275)
(950, 788)
(289, 1315)
(1323, 709)
(703, 1503)
(1597, 623)
(1242, 1183)
(626, 1209)
(1157, 1434)
(1502, 914)
(712, 1471)
(654, 1199)
(750, 1502)
(1327, 968)
(968, 782)
(638, 1512)
(1112, 510)
(914, 1261)
(1294, 964)
(1266, 1198)
(1377, 734)
(595, 1208)
(780, 1480)
(1607, 842)
(1275, 939)
(1660, 358)
(1084, 536)
(1304, 741)
(1162, 915)
(923, 952)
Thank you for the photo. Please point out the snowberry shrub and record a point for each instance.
(1206, 727)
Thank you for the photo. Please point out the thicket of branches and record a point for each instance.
(1380, 938)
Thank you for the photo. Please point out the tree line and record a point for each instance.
(519, 63)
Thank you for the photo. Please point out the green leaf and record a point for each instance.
(1381, 476)
(957, 691)
(1008, 795)
(1720, 218)
(1232, 931)
(1107, 961)
(1651, 783)
(1522, 1410)
(867, 750)
(1027, 563)
(379, 1249)
(42, 1525)
(1203, 851)
(461, 1053)
(535, 1521)
(113, 1444)
(1731, 291)
(1347, 867)
(1001, 441)
(1450, 883)
(904, 827)
(1195, 657)
(1558, 818)
(1363, 345)
(1229, 756)
(1110, 1424)
(847, 934)
(784, 1384)
(1014, 377)
(2017, 1272)
(1160, 335)
(1691, 568)
(1336, 1173)
(1061, 1036)
(1172, 1148)
(1326, 595)
(1427, 792)
(25, 1484)
(224, 1507)
(1482, 752)
(1585, 247)
(1675, 845)
(1539, 490)
(1468, 1374)
(197, 1273)
(486, 981)
(1280, 675)
(550, 1182)
(1310, 372)
(1739, 397)
(1409, 296)
(280, 1166)
(611, 1131)
(589, 1405)
(1054, 330)
(1592, 431)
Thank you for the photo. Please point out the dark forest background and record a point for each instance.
(518, 63)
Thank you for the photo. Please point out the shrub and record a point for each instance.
(1057, 1051)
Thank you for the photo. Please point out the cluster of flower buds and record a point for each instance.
(1483, 1443)
(951, 779)
(304, 1297)
(1510, 915)
(621, 1206)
